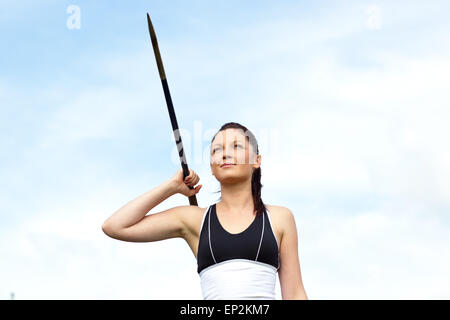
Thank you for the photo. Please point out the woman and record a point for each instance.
(240, 243)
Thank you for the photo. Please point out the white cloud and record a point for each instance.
(383, 254)
(98, 113)
(381, 131)
(61, 252)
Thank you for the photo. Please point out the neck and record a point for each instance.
(237, 197)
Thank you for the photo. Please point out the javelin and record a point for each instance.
(173, 118)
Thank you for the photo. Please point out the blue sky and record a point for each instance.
(349, 103)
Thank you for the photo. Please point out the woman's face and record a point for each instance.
(232, 146)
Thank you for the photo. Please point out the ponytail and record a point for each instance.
(256, 192)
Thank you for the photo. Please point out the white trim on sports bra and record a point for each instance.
(209, 238)
(260, 241)
(271, 227)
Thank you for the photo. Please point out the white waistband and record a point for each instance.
(238, 279)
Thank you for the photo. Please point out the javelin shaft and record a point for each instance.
(170, 108)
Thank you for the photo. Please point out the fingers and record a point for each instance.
(192, 179)
(195, 190)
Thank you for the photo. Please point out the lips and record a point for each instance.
(227, 165)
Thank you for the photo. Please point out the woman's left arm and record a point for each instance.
(289, 273)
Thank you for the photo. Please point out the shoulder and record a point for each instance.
(280, 212)
(186, 211)
(283, 217)
(191, 217)
(286, 226)
(189, 213)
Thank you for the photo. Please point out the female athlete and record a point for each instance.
(240, 243)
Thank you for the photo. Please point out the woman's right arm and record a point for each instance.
(130, 223)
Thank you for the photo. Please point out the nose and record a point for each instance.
(225, 157)
(228, 153)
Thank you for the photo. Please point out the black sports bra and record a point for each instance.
(256, 243)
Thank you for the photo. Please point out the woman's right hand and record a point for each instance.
(182, 186)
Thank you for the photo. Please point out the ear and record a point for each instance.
(258, 162)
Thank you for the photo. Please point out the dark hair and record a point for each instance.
(256, 176)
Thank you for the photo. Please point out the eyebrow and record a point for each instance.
(219, 144)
